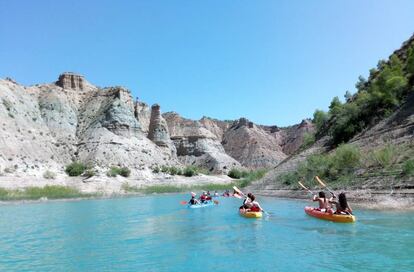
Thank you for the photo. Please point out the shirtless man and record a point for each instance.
(323, 202)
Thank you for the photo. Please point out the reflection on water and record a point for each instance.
(156, 233)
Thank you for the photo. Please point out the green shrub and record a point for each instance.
(89, 173)
(386, 156)
(346, 158)
(49, 175)
(408, 168)
(75, 169)
(156, 170)
(190, 171)
(249, 177)
(237, 174)
(308, 140)
(114, 171)
(174, 170)
(165, 169)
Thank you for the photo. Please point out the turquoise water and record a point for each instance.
(156, 233)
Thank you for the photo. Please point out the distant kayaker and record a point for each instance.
(236, 194)
(216, 194)
(226, 193)
(323, 202)
(193, 200)
(342, 206)
(204, 197)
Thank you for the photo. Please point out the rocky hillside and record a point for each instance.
(365, 143)
(47, 126)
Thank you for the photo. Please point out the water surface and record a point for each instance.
(156, 233)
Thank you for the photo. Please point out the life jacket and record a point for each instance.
(255, 209)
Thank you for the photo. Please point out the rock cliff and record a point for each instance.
(47, 126)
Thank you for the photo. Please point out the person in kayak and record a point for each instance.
(216, 194)
(226, 193)
(323, 201)
(236, 194)
(342, 206)
(205, 198)
(247, 203)
(254, 205)
(193, 200)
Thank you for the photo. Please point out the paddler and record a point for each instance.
(247, 203)
(193, 200)
(254, 205)
(323, 201)
(204, 197)
(342, 206)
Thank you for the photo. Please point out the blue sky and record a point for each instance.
(273, 62)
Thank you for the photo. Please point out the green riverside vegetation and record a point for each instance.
(35, 193)
(347, 163)
(242, 182)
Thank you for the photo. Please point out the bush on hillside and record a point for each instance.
(114, 171)
(75, 169)
(237, 173)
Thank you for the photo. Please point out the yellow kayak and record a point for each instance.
(251, 214)
(341, 218)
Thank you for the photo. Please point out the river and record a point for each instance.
(157, 233)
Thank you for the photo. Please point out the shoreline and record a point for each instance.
(398, 200)
(383, 203)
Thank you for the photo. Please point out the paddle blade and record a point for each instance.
(183, 202)
(320, 181)
(238, 190)
(303, 186)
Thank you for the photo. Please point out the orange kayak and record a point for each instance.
(341, 218)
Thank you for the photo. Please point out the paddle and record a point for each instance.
(324, 185)
(304, 187)
(240, 192)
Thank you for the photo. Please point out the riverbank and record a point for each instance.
(394, 199)
(16, 188)
(37, 189)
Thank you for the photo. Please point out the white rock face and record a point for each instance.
(47, 127)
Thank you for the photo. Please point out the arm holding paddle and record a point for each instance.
(255, 202)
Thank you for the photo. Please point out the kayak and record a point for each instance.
(341, 218)
(251, 214)
(201, 205)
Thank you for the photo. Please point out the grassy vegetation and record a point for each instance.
(188, 171)
(115, 171)
(247, 180)
(75, 169)
(408, 168)
(347, 162)
(35, 193)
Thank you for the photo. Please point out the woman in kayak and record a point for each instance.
(247, 203)
(193, 200)
(323, 202)
(254, 205)
(342, 206)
